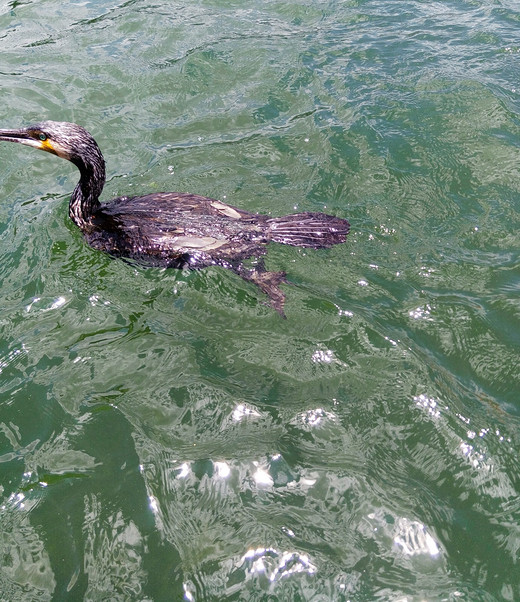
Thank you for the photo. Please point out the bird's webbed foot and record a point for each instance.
(269, 283)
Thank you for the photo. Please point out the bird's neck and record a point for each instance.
(85, 199)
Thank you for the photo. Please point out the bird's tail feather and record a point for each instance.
(314, 230)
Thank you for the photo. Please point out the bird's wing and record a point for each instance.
(170, 204)
(169, 225)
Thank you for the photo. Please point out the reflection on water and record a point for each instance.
(167, 436)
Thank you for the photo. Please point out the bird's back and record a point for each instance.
(174, 229)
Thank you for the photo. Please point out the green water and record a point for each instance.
(166, 435)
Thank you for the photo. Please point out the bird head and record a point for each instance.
(66, 140)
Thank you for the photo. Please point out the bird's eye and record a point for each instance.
(42, 137)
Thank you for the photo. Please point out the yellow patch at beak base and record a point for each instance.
(47, 146)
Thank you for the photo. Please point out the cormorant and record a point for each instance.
(172, 229)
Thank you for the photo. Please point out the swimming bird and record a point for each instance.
(171, 229)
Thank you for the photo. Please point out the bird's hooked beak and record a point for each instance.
(30, 137)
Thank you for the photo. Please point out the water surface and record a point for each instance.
(166, 435)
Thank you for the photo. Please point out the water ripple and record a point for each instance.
(166, 434)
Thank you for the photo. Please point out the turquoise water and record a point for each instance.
(165, 435)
